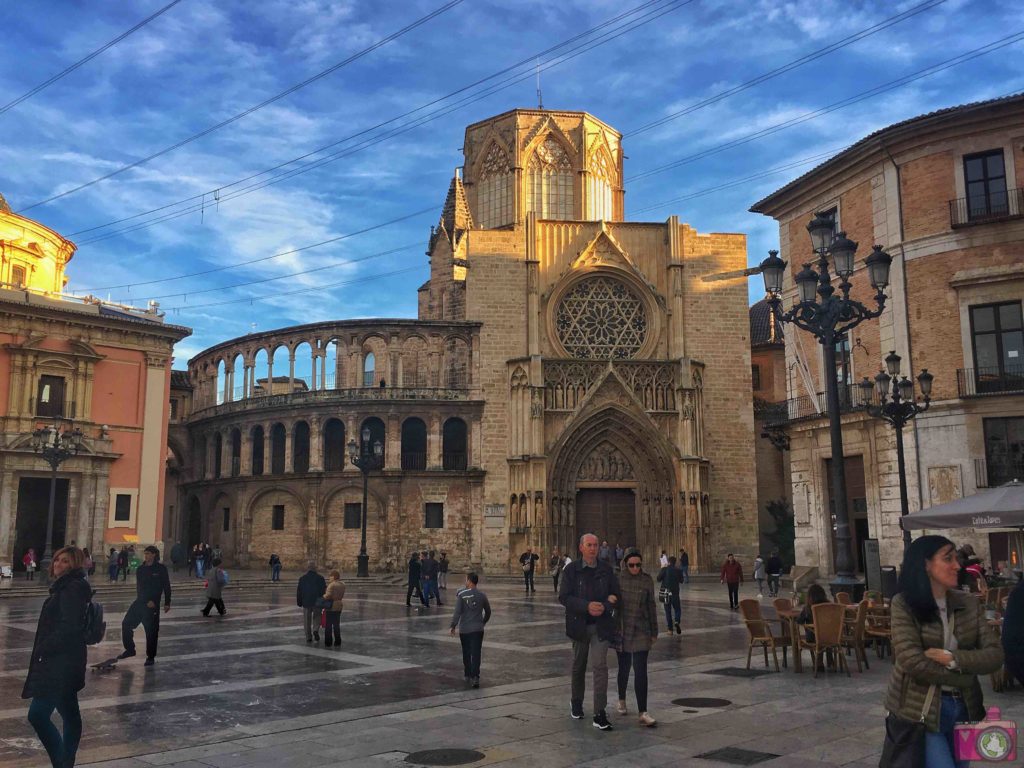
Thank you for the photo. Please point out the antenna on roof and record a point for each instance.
(540, 98)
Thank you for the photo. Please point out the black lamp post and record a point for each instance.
(55, 443)
(897, 406)
(366, 459)
(827, 315)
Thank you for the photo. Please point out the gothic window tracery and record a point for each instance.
(601, 318)
(550, 182)
(494, 196)
(599, 193)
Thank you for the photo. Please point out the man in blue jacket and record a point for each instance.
(589, 592)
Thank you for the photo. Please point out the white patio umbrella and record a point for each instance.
(1000, 507)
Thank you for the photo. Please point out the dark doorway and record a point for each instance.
(414, 444)
(33, 507)
(195, 523)
(856, 507)
(334, 446)
(608, 513)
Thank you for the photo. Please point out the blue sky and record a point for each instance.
(204, 61)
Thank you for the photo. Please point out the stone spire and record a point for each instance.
(455, 216)
(4, 206)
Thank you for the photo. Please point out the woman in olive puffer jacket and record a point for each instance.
(939, 638)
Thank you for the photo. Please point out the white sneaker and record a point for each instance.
(760, 596)
(621, 708)
(647, 720)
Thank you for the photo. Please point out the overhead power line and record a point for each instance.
(862, 96)
(289, 252)
(234, 118)
(790, 66)
(68, 70)
(267, 297)
(198, 201)
(227, 192)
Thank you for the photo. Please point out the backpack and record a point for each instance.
(225, 575)
(93, 626)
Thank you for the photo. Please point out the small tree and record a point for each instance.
(785, 531)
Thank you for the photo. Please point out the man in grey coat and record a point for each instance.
(472, 611)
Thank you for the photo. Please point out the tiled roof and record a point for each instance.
(881, 133)
(762, 328)
(180, 380)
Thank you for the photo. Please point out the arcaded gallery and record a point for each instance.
(569, 372)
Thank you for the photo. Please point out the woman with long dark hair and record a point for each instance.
(637, 616)
(941, 643)
(56, 672)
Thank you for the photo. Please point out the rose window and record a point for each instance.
(601, 318)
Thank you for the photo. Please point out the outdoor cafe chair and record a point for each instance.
(878, 630)
(759, 629)
(828, 635)
(843, 598)
(853, 635)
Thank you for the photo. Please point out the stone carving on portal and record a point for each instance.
(606, 463)
(567, 382)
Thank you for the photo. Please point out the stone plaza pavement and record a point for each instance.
(247, 690)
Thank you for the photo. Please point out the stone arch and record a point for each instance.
(456, 363)
(550, 180)
(649, 472)
(334, 445)
(235, 444)
(258, 459)
(278, 448)
(300, 447)
(415, 362)
(292, 542)
(455, 444)
(342, 545)
(377, 373)
(414, 444)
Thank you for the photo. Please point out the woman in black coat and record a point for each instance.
(56, 672)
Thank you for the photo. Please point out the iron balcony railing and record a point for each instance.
(979, 382)
(414, 460)
(454, 461)
(807, 407)
(981, 209)
(360, 394)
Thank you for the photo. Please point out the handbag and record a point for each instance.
(664, 595)
(323, 604)
(526, 566)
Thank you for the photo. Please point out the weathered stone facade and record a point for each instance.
(600, 383)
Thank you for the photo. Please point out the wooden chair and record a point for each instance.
(828, 635)
(843, 598)
(759, 629)
(784, 639)
(874, 596)
(853, 635)
(878, 629)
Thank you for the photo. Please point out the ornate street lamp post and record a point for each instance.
(366, 459)
(55, 443)
(897, 406)
(827, 315)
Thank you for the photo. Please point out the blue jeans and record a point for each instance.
(61, 748)
(275, 573)
(199, 569)
(938, 747)
(685, 573)
(429, 588)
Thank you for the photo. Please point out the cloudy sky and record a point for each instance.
(367, 149)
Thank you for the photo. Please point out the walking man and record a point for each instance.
(472, 612)
(415, 571)
(311, 586)
(555, 567)
(215, 583)
(151, 582)
(429, 574)
(589, 591)
(528, 560)
(684, 565)
(669, 576)
(732, 577)
(774, 570)
(442, 571)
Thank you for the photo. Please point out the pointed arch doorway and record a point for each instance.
(608, 513)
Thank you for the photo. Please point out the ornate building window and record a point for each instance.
(494, 190)
(550, 181)
(601, 318)
(599, 187)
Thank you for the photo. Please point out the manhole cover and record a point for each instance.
(737, 672)
(737, 756)
(444, 757)
(698, 702)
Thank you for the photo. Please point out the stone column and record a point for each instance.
(288, 448)
(434, 459)
(312, 368)
(393, 452)
(245, 461)
(316, 445)
(8, 505)
(210, 449)
(270, 375)
(291, 371)
(267, 447)
(323, 370)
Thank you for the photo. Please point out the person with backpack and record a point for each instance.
(215, 584)
(56, 671)
(151, 582)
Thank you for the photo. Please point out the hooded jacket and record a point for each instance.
(57, 666)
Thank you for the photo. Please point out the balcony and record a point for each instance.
(357, 394)
(807, 407)
(982, 382)
(996, 206)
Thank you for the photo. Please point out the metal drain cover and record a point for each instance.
(444, 757)
(701, 703)
(737, 756)
(737, 672)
